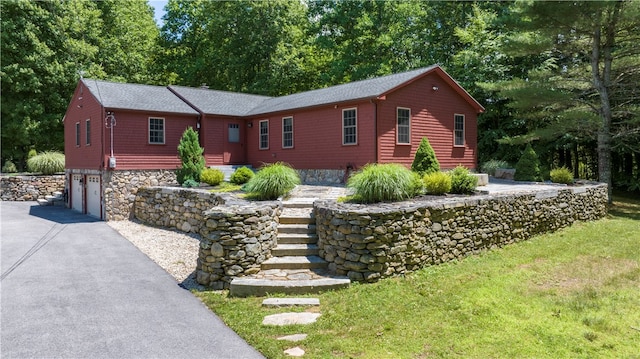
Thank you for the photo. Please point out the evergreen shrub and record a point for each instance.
(272, 181)
(528, 167)
(32, 153)
(425, 160)
(384, 182)
(437, 183)
(561, 175)
(47, 163)
(190, 183)
(9, 167)
(462, 182)
(211, 176)
(190, 154)
(241, 176)
(491, 166)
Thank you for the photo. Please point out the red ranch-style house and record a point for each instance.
(119, 136)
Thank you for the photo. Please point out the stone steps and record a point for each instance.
(295, 238)
(295, 249)
(50, 200)
(294, 262)
(250, 286)
(297, 228)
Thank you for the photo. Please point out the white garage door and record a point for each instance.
(76, 193)
(93, 196)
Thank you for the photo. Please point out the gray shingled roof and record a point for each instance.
(358, 90)
(137, 97)
(219, 102)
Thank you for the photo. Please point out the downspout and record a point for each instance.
(375, 129)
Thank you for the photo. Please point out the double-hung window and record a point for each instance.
(156, 131)
(403, 126)
(264, 134)
(287, 132)
(88, 132)
(458, 130)
(77, 134)
(349, 126)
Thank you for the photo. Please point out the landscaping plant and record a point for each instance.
(462, 182)
(9, 167)
(190, 153)
(190, 183)
(383, 183)
(241, 176)
(47, 163)
(211, 176)
(425, 160)
(528, 167)
(561, 175)
(491, 166)
(437, 183)
(273, 181)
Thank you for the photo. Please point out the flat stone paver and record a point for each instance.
(295, 352)
(283, 319)
(291, 302)
(294, 337)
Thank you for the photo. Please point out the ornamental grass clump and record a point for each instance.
(241, 176)
(211, 176)
(273, 181)
(491, 166)
(384, 183)
(462, 182)
(561, 175)
(437, 183)
(47, 163)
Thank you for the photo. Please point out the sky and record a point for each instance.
(158, 6)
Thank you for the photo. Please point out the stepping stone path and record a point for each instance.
(291, 319)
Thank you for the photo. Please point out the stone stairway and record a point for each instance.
(295, 267)
(50, 200)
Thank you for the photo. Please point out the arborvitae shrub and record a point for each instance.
(437, 183)
(528, 167)
(241, 176)
(272, 181)
(425, 160)
(190, 154)
(491, 166)
(47, 163)
(561, 175)
(211, 176)
(462, 181)
(190, 183)
(384, 182)
(9, 167)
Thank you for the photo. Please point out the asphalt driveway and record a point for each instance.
(72, 287)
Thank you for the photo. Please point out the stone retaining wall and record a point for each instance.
(120, 188)
(368, 242)
(321, 176)
(235, 241)
(30, 188)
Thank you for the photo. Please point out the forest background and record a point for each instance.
(562, 76)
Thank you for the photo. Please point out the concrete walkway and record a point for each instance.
(72, 287)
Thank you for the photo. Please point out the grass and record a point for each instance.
(570, 294)
(226, 187)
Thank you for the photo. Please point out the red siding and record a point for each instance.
(432, 114)
(211, 138)
(317, 139)
(83, 106)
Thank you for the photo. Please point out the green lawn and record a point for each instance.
(570, 294)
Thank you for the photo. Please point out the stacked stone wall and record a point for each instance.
(321, 176)
(368, 242)
(30, 188)
(235, 241)
(121, 187)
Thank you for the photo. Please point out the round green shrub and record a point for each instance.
(561, 175)
(273, 181)
(211, 176)
(383, 183)
(47, 163)
(241, 176)
(190, 183)
(528, 167)
(462, 182)
(425, 160)
(9, 167)
(32, 153)
(491, 166)
(437, 183)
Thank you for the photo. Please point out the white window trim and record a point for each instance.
(260, 134)
(78, 134)
(343, 127)
(164, 137)
(397, 127)
(463, 129)
(87, 132)
(292, 143)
